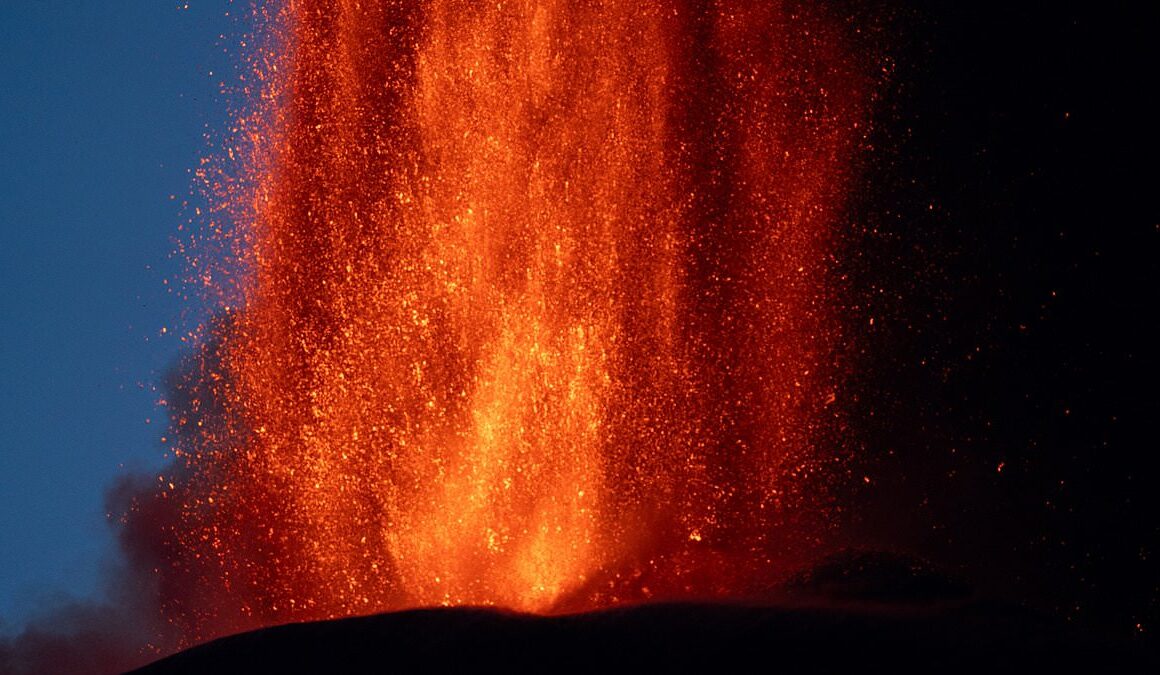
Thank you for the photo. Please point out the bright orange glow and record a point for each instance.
(536, 312)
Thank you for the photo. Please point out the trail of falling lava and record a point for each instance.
(536, 313)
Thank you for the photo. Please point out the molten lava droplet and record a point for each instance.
(536, 312)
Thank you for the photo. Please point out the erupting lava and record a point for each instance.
(537, 313)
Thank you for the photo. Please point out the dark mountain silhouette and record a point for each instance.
(853, 612)
(660, 638)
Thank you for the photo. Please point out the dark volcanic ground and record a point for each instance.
(685, 637)
(855, 611)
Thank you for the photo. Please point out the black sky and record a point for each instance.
(1007, 253)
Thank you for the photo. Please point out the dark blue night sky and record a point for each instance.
(104, 110)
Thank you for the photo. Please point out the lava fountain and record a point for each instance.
(537, 312)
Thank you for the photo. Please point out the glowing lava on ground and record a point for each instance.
(537, 312)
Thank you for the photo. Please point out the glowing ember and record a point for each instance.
(536, 314)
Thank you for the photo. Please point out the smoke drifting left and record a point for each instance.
(125, 628)
(83, 637)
